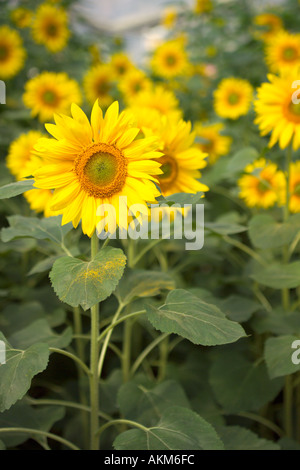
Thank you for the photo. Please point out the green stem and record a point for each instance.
(122, 421)
(73, 357)
(288, 406)
(67, 404)
(38, 432)
(147, 351)
(124, 318)
(94, 353)
(164, 352)
(126, 357)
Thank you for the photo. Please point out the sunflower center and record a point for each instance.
(102, 87)
(101, 170)
(4, 52)
(290, 53)
(171, 60)
(49, 97)
(169, 168)
(233, 98)
(263, 186)
(295, 109)
(297, 189)
(52, 29)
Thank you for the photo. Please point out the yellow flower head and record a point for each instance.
(169, 17)
(170, 60)
(268, 26)
(158, 98)
(12, 53)
(134, 82)
(232, 98)
(295, 187)
(98, 84)
(21, 17)
(120, 64)
(212, 142)
(203, 6)
(50, 93)
(263, 185)
(93, 163)
(50, 27)
(182, 159)
(276, 111)
(22, 162)
(283, 51)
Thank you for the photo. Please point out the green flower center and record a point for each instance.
(297, 189)
(233, 98)
(103, 87)
(169, 168)
(171, 60)
(49, 97)
(101, 169)
(295, 109)
(3, 52)
(290, 53)
(263, 186)
(52, 29)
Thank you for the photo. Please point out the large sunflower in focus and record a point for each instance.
(276, 111)
(50, 27)
(50, 93)
(98, 84)
(181, 160)
(232, 98)
(89, 164)
(283, 52)
(12, 53)
(262, 185)
(170, 60)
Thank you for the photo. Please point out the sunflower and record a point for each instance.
(212, 142)
(294, 187)
(21, 17)
(169, 17)
(170, 60)
(134, 82)
(268, 26)
(158, 98)
(263, 185)
(181, 160)
(276, 111)
(120, 64)
(283, 51)
(50, 27)
(232, 98)
(203, 6)
(91, 164)
(50, 93)
(22, 162)
(12, 53)
(98, 83)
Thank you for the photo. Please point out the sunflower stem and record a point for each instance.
(94, 353)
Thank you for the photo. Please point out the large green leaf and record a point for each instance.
(279, 276)
(239, 308)
(48, 228)
(265, 233)
(142, 283)
(40, 332)
(242, 385)
(21, 366)
(241, 159)
(14, 189)
(178, 429)
(190, 317)
(238, 438)
(146, 404)
(279, 354)
(86, 283)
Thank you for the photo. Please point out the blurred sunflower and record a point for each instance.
(134, 82)
(232, 98)
(90, 164)
(212, 141)
(50, 93)
(120, 64)
(50, 27)
(169, 17)
(170, 59)
(283, 51)
(21, 17)
(181, 160)
(22, 162)
(98, 83)
(158, 98)
(203, 6)
(263, 185)
(295, 187)
(268, 26)
(12, 53)
(276, 112)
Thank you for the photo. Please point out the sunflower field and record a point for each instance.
(150, 227)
